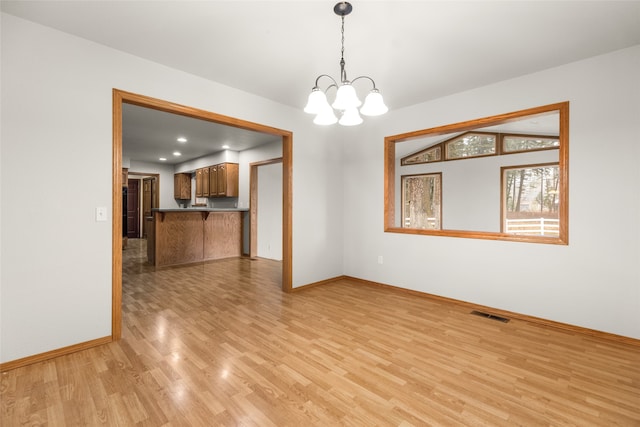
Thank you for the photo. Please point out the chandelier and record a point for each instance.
(346, 100)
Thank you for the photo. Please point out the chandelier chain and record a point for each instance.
(343, 73)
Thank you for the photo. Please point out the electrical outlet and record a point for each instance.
(101, 213)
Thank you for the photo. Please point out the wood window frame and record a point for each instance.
(503, 199)
(505, 135)
(445, 145)
(403, 201)
(562, 108)
(404, 161)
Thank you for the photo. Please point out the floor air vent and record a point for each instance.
(490, 316)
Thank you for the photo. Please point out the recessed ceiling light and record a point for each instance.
(182, 139)
(163, 159)
(225, 146)
(177, 153)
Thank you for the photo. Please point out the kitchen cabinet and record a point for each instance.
(223, 180)
(202, 182)
(213, 181)
(205, 182)
(198, 182)
(182, 186)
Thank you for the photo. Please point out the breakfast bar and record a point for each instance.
(185, 236)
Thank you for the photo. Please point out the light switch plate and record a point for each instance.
(101, 213)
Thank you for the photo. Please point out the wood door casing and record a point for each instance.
(121, 97)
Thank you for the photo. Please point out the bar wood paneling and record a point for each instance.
(222, 235)
(179, 238)
(151, 241)
(184, 237)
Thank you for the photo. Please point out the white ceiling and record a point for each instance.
(150, 134)
(414, 50)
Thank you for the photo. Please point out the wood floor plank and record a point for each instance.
(219, 344)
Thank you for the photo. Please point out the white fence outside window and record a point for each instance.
(533, 226)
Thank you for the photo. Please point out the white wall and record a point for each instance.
(208, 160)
(57, 120)
(272, 150)
(593, 282)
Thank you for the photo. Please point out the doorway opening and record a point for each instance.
(122, 97)
(148, 198)
(253, 203)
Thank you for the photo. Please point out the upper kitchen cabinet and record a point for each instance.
(223, 180)
(217, 181)
(202, 182)
(182, 186)
(205, 182)
(213, 180)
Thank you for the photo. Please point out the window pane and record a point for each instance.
(531, 199)
(421, 199)
(430, 155)
(471, 145)
(513, 143)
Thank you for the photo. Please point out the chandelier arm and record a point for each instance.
(330, 86)
(325, 75)
(365, 77)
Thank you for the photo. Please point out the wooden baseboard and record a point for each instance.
(320, 283)
(496, 311)
(18, 363)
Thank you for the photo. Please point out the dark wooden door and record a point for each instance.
(147, 203)
(133, 208)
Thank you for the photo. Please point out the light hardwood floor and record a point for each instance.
(218, 344)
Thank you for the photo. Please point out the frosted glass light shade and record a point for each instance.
(350, 117)
(346, 98)
(374, 104)
(325, 116)
(316, 102)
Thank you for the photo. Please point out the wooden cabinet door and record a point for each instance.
(213, 181)
(231, 173)
(222, 179)
(176, 186)
(205, 182)
(182, 186)
(199, 183)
